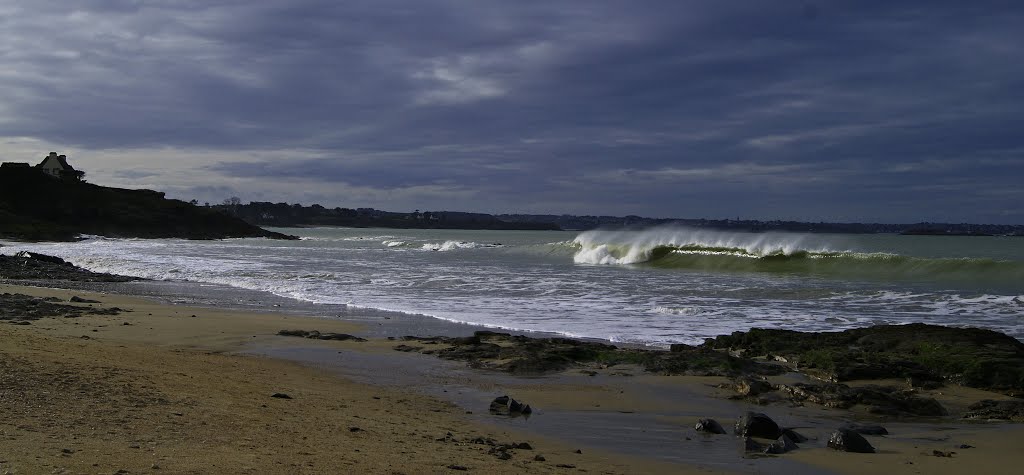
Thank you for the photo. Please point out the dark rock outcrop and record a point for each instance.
(36, 207)
(34, 266)
(847, 440)
(970, 357)
(316, 335)
(1010, 410)
(884, 400)
(756, 424)
(524, 355)
(21, 309)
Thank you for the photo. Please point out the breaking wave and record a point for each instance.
(684, 248)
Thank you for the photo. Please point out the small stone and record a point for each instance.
(524, 446)
(280, 396)
(539, 458)
(155, 467)
(458, 467)
(356, 429)
(68, 451)
(709, 425)
(578, 451)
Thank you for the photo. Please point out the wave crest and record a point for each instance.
(703, 250)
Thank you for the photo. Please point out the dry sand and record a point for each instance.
(156, 390)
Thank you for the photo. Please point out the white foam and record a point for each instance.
(633, 246)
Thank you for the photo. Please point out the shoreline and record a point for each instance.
(648, 418)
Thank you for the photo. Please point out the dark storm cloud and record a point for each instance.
(844, 110)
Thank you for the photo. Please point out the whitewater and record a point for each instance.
(655, 286)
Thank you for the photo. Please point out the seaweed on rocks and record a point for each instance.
(972, 357)
(21, 308)
(524, 355)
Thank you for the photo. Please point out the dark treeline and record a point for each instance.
(289, 215)
(570, 222)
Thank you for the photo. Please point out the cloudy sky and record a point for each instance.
(889, 111)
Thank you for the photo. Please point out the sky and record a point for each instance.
(872, 111)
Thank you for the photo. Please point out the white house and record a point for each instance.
(57, 166)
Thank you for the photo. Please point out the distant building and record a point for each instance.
(10, 165)
(57, 167)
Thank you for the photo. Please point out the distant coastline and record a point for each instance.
(297, 215)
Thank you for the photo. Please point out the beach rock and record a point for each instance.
(19, 308)
(316, 335)
(35, 266)
(529, 356)
(886, 400)
(298, 333)
(794, 436)
(971, 357)
(539, 458)
(523, 446)
(506, 406)
(752, 387)
(866, 429)
(756, 424)
(847, 440)
(407, 348)
(782, 445)
(710, 426)
(77, 299)
(1011, 410)
(457, 467)
(340, 337)
(280, 396)
(751, 445)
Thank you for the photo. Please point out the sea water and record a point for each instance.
(655, 286)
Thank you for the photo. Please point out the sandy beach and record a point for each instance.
(163, 388)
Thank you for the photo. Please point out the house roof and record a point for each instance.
(61, 159)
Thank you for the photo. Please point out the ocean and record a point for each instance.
(652, 287)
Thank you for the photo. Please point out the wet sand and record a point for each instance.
(156, 390)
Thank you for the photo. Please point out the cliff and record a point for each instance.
(37, 207)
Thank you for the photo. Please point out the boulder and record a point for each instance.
(847, 440)
(756, 424)
(794, 436)
(781, 446)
